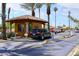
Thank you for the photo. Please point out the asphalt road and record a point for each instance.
(55, 47)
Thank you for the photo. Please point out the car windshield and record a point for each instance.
(44, 30)
(35, 30)
(39, 30)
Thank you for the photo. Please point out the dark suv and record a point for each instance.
(40, 34)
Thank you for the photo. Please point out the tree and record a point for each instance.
(9, 12)
(3, 20)
(39, 5)
(75, 20)
(64, 25)
(55, 10)
(29, 6)
(48, 13)
(10, 26)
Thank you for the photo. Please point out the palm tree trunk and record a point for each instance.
(55, 22)
(39, 12)
(33, 12)
(8, 18)
(69, 24)
(69, 27)
(49, 23)
(3, 20)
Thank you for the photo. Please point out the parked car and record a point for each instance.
(57, 30)
(62, 30)
(77, 31)
(40, 34)
(52, 30)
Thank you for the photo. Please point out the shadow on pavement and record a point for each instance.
(23, 51)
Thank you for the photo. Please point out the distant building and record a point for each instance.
(24, 24)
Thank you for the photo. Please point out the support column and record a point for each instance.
(10, 26)
(44, 26)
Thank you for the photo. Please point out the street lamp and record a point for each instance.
(55, 10)
(69, 23)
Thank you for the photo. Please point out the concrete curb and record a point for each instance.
(74, 51)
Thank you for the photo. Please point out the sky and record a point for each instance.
(61, 14)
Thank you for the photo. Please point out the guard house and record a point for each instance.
(24, 24)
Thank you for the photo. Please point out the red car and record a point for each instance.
(52, 30)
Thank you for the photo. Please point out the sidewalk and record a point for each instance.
(74, 51)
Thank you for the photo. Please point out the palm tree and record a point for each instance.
(48, 13)
(8, 18)
(74, 19)
(3, 20)
(33, 12)
(39, 5)
(71, 18)
(29, 6)
(55, 10)
(9, 12)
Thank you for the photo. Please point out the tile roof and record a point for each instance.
(27, 17)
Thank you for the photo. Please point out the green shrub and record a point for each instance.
(0, 35)
(10, 34)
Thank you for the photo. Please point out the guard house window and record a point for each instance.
(20, 27)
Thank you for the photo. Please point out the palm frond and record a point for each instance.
(28, 6)
(74, 19)
(38, 5)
